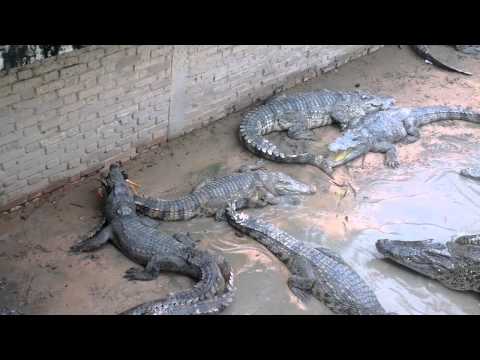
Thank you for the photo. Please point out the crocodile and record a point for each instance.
(424, 53)
(251, 186)
(317, 272)
(134, 236)
(455, 264)
(471, 172)
(468, 49)
(7, 311)
(301, 112)
(378, 132)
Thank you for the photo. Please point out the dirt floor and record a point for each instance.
(424, 198)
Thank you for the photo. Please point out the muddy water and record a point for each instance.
(424, 198)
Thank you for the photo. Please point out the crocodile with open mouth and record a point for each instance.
(455, 264)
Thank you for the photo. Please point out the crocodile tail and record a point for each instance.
(424, 53)
(264, 148)
(212, 294)
(429, 114)
(183, 208)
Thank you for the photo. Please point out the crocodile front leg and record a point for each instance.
(160, 263)
(94, 242)
(186, 239)
(391, 155)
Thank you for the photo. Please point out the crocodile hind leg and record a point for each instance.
(302, 280)
(413, 134)
(94, 242)
(160, 263)
(301, 287)
(391, 155)
(299, 130)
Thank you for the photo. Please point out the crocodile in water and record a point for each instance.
(455, 264)
(314, 271)
(251, 186)
(298, 113)
(134, 236)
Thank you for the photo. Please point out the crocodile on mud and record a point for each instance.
(455, 264)
(251, 186)
(317, 272)
(136, 238)
(378, 132)
(299, 113)
(424, 53)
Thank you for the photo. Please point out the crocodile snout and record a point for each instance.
(382, 246)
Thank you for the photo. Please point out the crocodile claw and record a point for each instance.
(392, 163)
(78, 248)
(134, 274)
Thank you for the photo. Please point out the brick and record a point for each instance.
(47, 66)
(127, 62)
(70, 99)
(49, 106)
(25, 74)
(89, 92)
(26, 84)
(70, 90)
(52, 163)
(51, 86)
(111, 93)
(5, 90)
(94, 64)
(70, 61)
(32, 167)
(36, 180)
(92, 55)
(73, 70)
(51, 76)
(51, 123)
(7, 79)
(71, 108)
(8, 100)
(27, 94)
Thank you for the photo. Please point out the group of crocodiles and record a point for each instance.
(370, 123)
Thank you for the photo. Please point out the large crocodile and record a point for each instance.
(378, 132)
(314, 271)
(251, 186)
(298, 113)
(424, 53)
(137, 239)
(455, 264)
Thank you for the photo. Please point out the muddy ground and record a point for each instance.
(424, 198)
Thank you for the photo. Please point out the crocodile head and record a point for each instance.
(115, 178)
(425, 257)
(119, 196)
(349, 146)
(282, 184)
(472, 173)
(371, 103)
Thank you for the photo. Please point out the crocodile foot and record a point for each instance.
(137, 274)
(392, 163)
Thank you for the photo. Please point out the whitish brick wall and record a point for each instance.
(73, 114)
